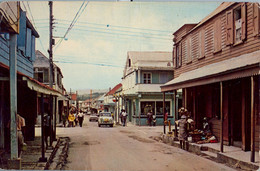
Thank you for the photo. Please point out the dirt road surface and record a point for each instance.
(128, 148)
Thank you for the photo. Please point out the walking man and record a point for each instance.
(80, 118)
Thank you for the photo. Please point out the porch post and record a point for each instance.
(221, 117)
(55, 117)
(43, 158)
(175, 112)
(164, 119)
(185, 98)
(51, 120)
(252, 120)
(13, 96)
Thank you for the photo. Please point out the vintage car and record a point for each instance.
(93, 117)
(105, 118)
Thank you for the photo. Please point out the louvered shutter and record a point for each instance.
(174, 55)
(256, 20)
(202, 43)
(243, 19)
(229, 28)
(180, 54)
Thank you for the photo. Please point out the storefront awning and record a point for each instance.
(39, 87)
(237, 67)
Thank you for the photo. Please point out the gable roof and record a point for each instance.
(111, 92)
(152, 59)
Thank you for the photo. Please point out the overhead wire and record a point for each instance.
(75, 19)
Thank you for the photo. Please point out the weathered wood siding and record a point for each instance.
(24, 65)
(251, 43)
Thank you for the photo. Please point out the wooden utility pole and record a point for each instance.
(164, 119)
(51, 44)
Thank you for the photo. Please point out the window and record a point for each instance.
(236, 25)
(217, 35)
(146, 107)
(159, 108)
(129, 62)
(147, 78)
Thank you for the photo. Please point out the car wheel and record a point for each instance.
(111, 125)
(98, 125)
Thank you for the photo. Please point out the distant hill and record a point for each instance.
(85, 94)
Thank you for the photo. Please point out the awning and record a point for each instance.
(237, 67)
(39, 87)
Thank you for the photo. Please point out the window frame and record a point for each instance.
(147, 78)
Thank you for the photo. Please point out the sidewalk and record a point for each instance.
(232, 156)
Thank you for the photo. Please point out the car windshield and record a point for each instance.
(105, 114)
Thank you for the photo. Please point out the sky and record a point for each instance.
(94, 52)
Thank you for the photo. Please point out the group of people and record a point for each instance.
(73, 119)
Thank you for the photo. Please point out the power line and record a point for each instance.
(90, 63)
(78, 14)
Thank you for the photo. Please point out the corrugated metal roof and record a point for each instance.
(217, 68)
(111, 92)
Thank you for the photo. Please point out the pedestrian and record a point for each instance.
(64, 119)
(124, 116)
(71, 119)
(76, 119)
(46, 126)
(80, 118)
(149, 117)
(120, 116)
(154, 120)
(183, 133)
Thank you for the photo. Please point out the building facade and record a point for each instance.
(143, 75)
(217, 67)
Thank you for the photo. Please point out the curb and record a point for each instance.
(220, 157)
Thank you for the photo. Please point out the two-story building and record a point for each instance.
(19, 92)
(143, 75)
(41, 67)
(217, 67)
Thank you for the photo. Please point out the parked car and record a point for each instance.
(105, 118)
(93, 117)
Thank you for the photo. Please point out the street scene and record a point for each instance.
(129, 85)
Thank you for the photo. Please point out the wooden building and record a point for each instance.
(217, 67)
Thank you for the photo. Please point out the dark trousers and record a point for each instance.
(184, 145)
(80, 121)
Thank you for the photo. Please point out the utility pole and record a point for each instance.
(51, 44)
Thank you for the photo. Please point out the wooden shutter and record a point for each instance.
(229, 28)
(188, 55)
(202, 43)
(256, 19)
(243, 21)
(217, 35)
(180, 54)
(174, 55)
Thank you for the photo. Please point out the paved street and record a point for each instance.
(127, 148)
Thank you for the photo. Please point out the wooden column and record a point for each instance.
(175, 112)
(164, 120)
(43, 158)
(185, 98)
(194, 105)
(243, 116)
(51, 120)
(221, 117)
(252, 120)
(55, 117)
(13, 96)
